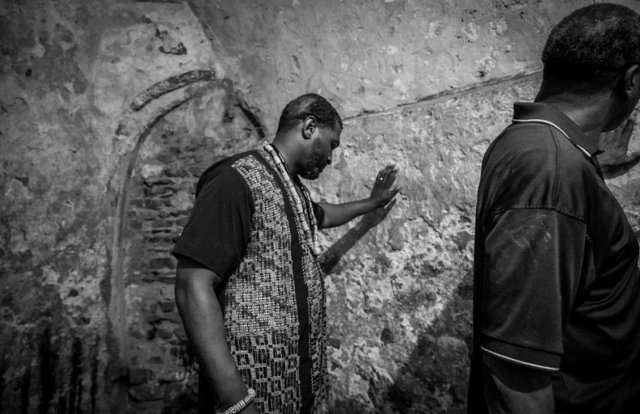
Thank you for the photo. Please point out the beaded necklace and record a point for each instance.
(304, 210)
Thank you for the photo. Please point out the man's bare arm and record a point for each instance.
(204, 324)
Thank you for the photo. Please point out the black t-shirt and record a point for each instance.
(219, 227)
(555, 272)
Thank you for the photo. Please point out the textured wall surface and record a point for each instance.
(54, 327)
(375, 55)
(400, 302)
(95, 189)
(71, 145)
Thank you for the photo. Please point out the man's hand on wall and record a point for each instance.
(383, 190)
(615, 160)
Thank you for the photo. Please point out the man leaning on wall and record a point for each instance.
(556, 295)
(249, 286)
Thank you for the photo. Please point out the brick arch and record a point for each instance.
(180, 126)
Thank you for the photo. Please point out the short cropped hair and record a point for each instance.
(310, 104)
(592, 47)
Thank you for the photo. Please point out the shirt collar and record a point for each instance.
(537, 111)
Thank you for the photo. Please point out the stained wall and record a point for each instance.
(96, 181)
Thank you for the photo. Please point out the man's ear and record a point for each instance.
(308, 127)
(632, 80)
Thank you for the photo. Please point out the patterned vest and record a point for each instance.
(275, 309)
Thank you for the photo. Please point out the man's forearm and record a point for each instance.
(339, 214)
(204, 324)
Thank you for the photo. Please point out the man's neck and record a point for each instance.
(287, 153)
(588, 112)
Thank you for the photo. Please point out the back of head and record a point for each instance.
(590, 49)
(310, 104)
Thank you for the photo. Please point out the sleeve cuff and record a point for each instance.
(528, 357)
(319, 213)
(186, 249)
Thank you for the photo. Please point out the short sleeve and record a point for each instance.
(533, 261)
(319, 213)
(219, 227)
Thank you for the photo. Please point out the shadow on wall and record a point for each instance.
(434, 377)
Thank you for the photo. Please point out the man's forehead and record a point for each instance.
(335, 130)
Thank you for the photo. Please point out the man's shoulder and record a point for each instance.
(229, 162)
(224, 169)
(520, 148)
(535, 165)
(538, 147)
(523, 137)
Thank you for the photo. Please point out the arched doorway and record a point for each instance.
(211, 124)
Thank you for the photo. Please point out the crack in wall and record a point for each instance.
(442, 96)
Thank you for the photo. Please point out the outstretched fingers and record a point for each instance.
(387, 176)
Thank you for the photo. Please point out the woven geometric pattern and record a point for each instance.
(262, 313)
(260, 294)
(269, 363)
(318, 326)
(316, 306)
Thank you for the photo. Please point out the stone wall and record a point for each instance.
(94, 97)
(54, 327)
(110, 111)
(400, 302)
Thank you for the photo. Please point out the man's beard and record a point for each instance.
(313, 165)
